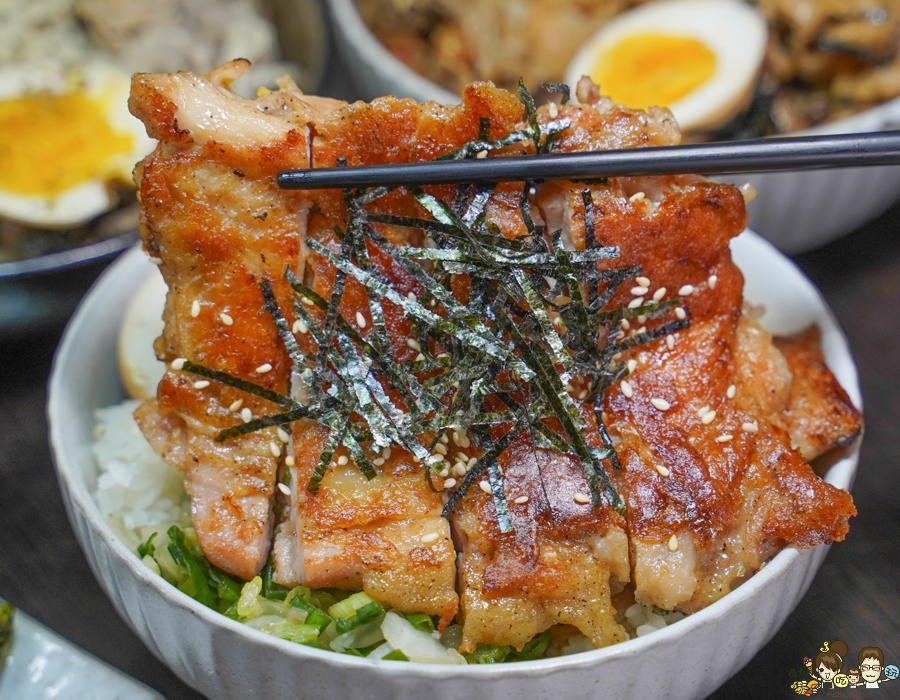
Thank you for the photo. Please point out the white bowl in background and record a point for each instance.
(224, 659)
(796, 211)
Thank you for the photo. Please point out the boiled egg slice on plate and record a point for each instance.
(65, 135)
(143, 324)
(699, 58)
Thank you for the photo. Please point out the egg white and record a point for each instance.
(84, 201)
(735, 32)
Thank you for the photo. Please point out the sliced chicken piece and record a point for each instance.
(218, 225)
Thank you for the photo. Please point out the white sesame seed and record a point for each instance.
(378, 461)
(472, 461)
(703, 411)
(195, 308)
(673, 543)
(289, 461)
(663, 471)
(625, 324)
(680, 313)
(638, 291)
(604, 417)
(274, 449)
(459, 469)
(686, 290)
(438, 457)
(178, 363)
(626, 388)
(306, 300)
(430, 537)
(300, 326)
(552, 110)
(713, 279)
(246, 415)
(414, 344)
(636, 197)
(444, 472)
(731, 391)
(659, 294)
(642, 281)
(360, 319)
(226, 319)
(481, 154)
(464, 441)
(749, 192)
(642, 319)
(708, 417)
(445, 438)
(521, 499)
(450, 483)
(582, 498)
(670, 341)
(284, 488)
(583, 395)
(263, 368)
(283, 435)
(632, 365)
(440, 448)
(411, 296)
(618, 356)
(421, 357)
(342, 460)
(155, 260)
(725, 437)
(484, 486)
(661, 404)
(202, 384)
(634, 303)
(642, 329)
(750, 427)
(236, 406)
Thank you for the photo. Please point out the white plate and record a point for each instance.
(224, 659)
(42, 665)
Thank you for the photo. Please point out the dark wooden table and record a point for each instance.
(854, 598)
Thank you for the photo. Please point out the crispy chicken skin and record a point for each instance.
(710, 497)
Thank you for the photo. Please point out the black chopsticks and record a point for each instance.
(793, 153)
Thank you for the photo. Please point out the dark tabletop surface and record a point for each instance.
(854, 597)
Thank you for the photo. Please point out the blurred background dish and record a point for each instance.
(828, 68)
(68, 143)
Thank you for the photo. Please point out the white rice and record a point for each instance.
(136, 491)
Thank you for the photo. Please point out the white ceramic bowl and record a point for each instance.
(796, 211)
(224, 659)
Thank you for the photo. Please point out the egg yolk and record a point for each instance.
(653, 69)
(50, 143)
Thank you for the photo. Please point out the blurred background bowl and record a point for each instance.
(797, 211)
(51, 270)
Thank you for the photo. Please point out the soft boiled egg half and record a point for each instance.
(699, 58)
(65, 136)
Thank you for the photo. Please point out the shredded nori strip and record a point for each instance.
(558, 88)
(502, 359)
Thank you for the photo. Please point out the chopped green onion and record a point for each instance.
(488, 654)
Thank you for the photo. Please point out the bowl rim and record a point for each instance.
(73, 482)
(345, 16)
(65, 259)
